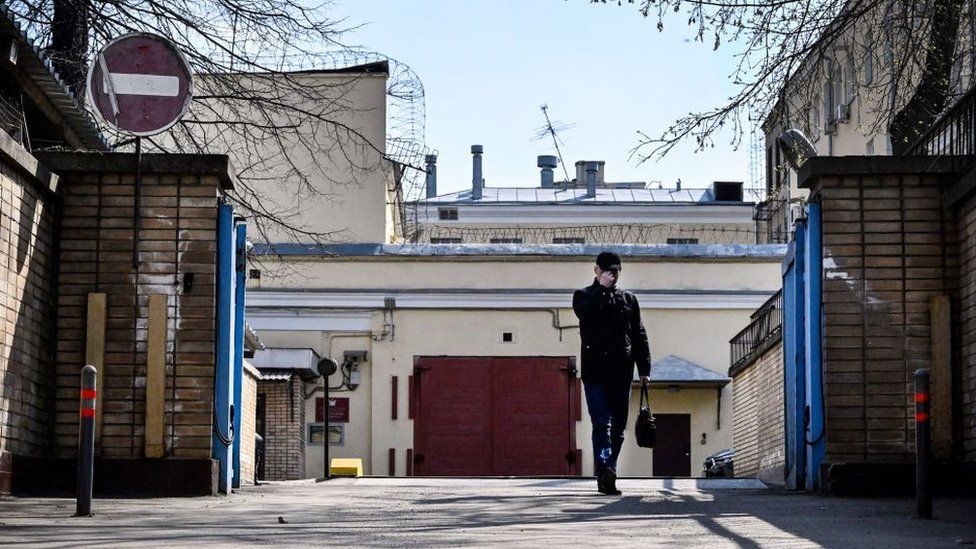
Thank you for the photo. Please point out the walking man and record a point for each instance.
(613, 339)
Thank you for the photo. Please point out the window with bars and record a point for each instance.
(682, 241)
(506, 240)
(568, 240)
(447, 214)
(445, 240)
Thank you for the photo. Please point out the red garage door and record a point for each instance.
(481, 416)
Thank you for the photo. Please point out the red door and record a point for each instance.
(507, 416)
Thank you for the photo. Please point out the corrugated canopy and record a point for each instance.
(36, 65)
(672, 370)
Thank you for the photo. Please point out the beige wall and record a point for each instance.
(700, 335)
(322, 177)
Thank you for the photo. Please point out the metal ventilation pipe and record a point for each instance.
(547, 163)
(477, 182)
(431, 160)
(591, 169)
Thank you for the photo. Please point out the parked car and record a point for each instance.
(720, 464)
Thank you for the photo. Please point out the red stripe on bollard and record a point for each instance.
(87, 412)
(921, 397)
(921, 417)
(88, 393)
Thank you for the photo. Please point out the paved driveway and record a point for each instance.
(501, 512)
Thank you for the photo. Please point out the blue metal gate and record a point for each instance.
(802, 348)
(231, 237)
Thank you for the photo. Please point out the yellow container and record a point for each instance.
(346, 467)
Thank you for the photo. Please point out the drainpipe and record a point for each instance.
(591, 169)
(477, 182)
(431, 160)
(547, 163)
(240, 263)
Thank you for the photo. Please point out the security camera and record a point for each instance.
(797, 149)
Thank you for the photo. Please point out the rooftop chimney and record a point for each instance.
(547, 163)
(477, 182)
(591, 169)
(581, 171)
(431, 160)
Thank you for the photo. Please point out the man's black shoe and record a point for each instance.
(606, 483)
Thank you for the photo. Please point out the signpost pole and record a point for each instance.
(135, 204)
(325, 421)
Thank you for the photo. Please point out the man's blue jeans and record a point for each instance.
(608, 404)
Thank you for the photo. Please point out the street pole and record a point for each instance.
(325, 420)
(326, 367)
(923, 495)
(86, 442)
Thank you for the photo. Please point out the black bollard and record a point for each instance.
(86, 442)
(923, 446)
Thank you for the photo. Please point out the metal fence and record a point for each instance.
(765, 323)
(952, 135)
(773, 222)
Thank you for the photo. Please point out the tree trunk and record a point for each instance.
(69, 43)
(932, 92)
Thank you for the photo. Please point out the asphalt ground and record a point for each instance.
(524, 512)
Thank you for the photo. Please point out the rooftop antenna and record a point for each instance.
(552, 129)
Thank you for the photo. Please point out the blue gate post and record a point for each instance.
(223, 430)
(240, 264)
(814, 433)
(793, 357)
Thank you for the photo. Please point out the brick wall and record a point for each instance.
(249, 400)
(888, 246)
(758, 425)
(177, 236)
(967, 319)
(284, 428)
(27, 272)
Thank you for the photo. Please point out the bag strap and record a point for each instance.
(644, 398)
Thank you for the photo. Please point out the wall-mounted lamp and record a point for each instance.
(704, 439)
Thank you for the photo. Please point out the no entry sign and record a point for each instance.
(140, 84)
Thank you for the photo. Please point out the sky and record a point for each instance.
(488, 65)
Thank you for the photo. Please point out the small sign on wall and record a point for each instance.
(337, 434)
(338, 410)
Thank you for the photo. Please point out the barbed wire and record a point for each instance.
(618, 233)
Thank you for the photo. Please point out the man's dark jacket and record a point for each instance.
(612, 334)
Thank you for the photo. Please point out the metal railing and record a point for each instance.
(765, 323)
(772, 219)
(952, 135)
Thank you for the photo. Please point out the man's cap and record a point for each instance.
(608, 260)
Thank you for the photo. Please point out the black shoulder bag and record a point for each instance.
(645, 430)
